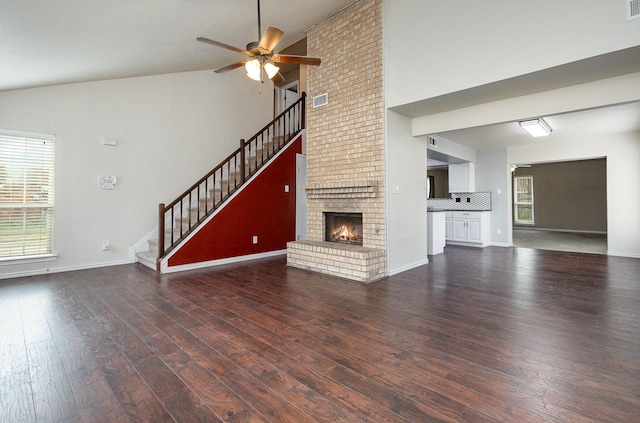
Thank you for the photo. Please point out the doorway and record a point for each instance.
(569, 212)
(285, 96)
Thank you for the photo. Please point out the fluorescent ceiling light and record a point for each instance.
(536, 127)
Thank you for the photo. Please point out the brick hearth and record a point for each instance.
(348, 261)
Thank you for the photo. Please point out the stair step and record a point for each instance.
(228, 183)
(167, 236)
(206, 205)
(236, 174)
(214, 193)
(147, 258)
(185, 221)
(207, 202)
(153, 246)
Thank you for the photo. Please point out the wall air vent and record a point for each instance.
(320, 100)
(433, 142)
(633, 9)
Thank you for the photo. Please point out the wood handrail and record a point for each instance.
(232, 172)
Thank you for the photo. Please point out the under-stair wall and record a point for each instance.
(258, 220)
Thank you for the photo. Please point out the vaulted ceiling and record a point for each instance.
(65, 41)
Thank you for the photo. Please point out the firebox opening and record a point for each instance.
(344, 228)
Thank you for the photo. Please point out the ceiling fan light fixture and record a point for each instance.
(271, 69)
(253, 69)
(536, 127)
(260, 54)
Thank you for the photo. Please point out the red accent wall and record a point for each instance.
(261, 209)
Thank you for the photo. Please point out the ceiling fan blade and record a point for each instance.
(300, 60)
(269, 40)
(223, 45)
(230, 67)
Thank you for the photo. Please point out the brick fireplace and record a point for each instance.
(362, 263)
(345, 145)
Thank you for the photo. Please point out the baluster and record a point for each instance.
(173, 222)
(235, 171)
(243, 158)
(228, 177)
(206, 196)
(215, 182)
(189, 210)
(181, 214)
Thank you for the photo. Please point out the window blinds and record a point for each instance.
(26, 194)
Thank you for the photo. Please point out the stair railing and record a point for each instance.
(181, 216)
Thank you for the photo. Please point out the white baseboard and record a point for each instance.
(408, 267)
(164, 268)
(467, 244)
(39, 272)
(617, 254)
(576, 231)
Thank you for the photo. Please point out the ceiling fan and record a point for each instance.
(261, 56)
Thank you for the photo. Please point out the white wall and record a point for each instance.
(406, 195)
(622, 152)
(494, 176)
(171, 129)
(452, 46)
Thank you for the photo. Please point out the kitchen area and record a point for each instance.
(456, 213)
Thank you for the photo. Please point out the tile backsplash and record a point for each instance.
(479, 201)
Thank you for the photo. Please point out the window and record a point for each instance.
(26, 194)
(523, 199)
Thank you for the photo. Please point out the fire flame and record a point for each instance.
(345, 234)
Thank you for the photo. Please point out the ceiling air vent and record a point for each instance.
(433, 142)
(320, 100)
(633, 9)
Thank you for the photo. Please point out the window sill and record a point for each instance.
(28, 259)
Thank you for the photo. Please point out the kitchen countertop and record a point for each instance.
(446, 210)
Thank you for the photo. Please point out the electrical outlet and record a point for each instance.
(255, 239)
(105, 245)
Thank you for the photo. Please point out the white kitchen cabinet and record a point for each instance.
(448, 226)
(470, 228)
(462, 177)
(435, 232)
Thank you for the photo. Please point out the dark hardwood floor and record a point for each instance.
(478, 335)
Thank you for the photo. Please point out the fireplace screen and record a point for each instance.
(345, 228)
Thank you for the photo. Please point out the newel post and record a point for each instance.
(160, 230)
(242, 162)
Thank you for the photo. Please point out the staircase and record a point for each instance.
(181, 217)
